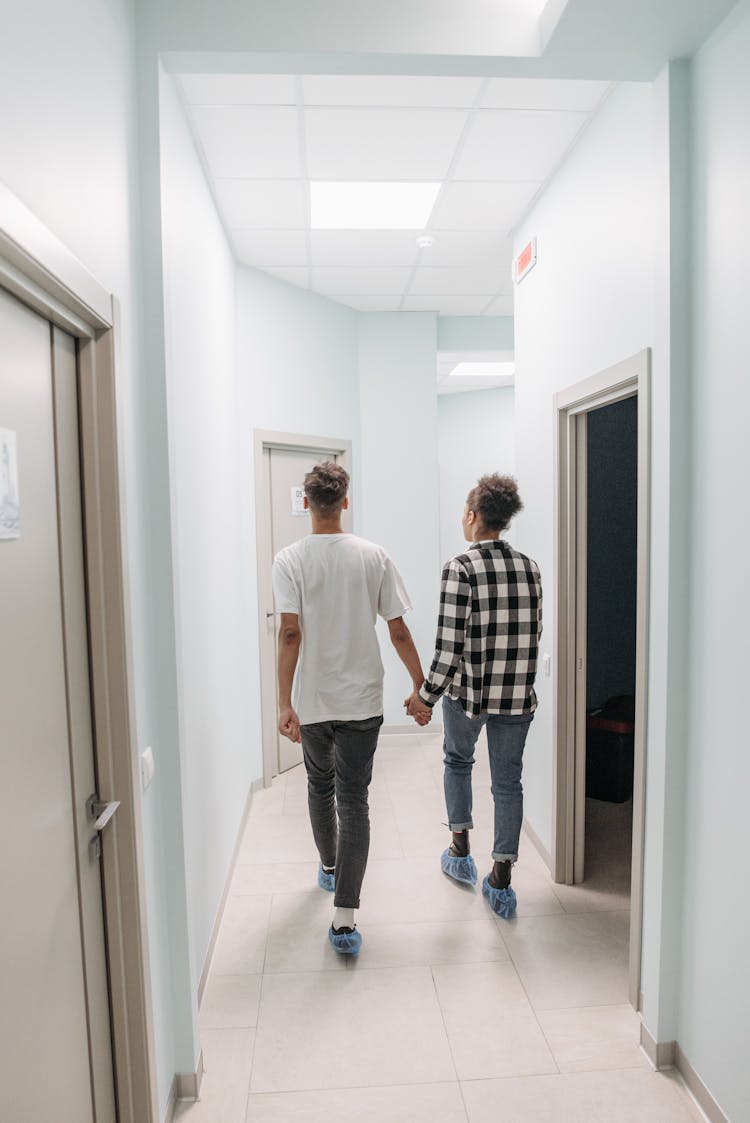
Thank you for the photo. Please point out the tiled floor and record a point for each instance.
(450, 1015)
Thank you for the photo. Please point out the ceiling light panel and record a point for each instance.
(381, 144)
(482, 205)
(389, 90)
(517, 144)
(446, 304)
(372, 281)
(481, 369)
(371, 206)
(454, 249)
(253, 142)
(271, 247)
(239, 89)
(261, 204)
(363, 248)
(465, 280)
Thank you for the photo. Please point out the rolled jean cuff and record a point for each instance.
(461, 826)
(337, 904)
(496, 857)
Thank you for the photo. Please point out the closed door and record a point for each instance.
(289, 522)
(55, 1037)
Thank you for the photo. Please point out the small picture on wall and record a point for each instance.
(10, 515)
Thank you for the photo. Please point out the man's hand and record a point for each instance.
(419, 710)
(289, 724)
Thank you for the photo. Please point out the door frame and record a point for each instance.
(43, 274)
(263, 441)
(571, 406)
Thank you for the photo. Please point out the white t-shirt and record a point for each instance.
(338, 584)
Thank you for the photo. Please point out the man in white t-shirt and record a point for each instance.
(329, 588)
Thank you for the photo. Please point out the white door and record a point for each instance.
(55, 1037)
(286, 470)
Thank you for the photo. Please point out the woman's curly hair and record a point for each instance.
(326, 486)
(495, 500)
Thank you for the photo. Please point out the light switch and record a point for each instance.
(147, 767)
(547, 664)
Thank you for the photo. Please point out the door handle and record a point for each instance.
(270, 615)
(101, 811)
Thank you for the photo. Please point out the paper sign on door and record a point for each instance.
(10, 515)
(298, 500)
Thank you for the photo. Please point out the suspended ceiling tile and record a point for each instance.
(239, 89)
(381, 144)
(446, 304)
(456, 249)
(298, 277)
(482, 205)
(459, 281)
(241, 141)
(370, 302)
(364, 248)
(271, 247)
(389, 90)
(543, 93)
(517, 144)
(502, 305)
(261, 203)
(360, 281)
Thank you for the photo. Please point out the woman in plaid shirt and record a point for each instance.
(489, 625)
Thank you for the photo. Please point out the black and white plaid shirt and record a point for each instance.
(488, 631)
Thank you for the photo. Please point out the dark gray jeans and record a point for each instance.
(338, 758)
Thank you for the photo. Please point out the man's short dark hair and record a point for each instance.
(495, 500)
(326, 486)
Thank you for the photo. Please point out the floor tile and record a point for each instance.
(491, 1026)
(298, 934)
(277, 838)
(274, 877)
(230, 1002)
(428, 944)
(415, 1103)
(596, 1037)
(241, 944)
(357, 1018)
(227, 1058)
(415, 890)
(571, 960)
(630, 1096)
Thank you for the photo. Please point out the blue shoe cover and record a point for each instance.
(460, 869)
(501, 901)
(345, 943)
(326, 880)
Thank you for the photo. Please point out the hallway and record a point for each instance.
(449, 1014)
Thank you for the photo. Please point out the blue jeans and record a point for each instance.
(506, 737)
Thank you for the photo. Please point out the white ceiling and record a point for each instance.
(447, 361)
(492, 143)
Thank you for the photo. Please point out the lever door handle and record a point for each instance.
(101, 811)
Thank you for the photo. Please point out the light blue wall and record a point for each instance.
(587, 304)
(475, 333)
(714, 984)
(476, 435)
(399, 472)
(218, 749)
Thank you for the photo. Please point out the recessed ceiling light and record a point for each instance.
(483, 370)
(371, 206)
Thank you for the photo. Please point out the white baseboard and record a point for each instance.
(668, 1054)
(185, 1086)
(539, 846)
(254, 787)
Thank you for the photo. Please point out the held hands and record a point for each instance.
(418, 709)
(289, 724)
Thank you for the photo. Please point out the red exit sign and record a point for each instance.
(525, 261)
